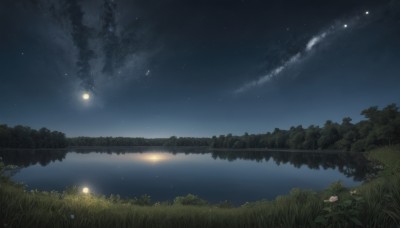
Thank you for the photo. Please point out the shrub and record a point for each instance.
(336, 188)
(190, 200)
(143, 200)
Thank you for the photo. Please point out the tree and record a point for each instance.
(329, 135)
(296, 137)
(311, 138)
(348, 134)
(280, 137)
(25, 137)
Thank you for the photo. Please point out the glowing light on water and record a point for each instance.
(150, 157)
(85, 190)
(155, 157)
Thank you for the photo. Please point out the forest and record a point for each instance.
(26, 137)
(379, 128)
(128, 141)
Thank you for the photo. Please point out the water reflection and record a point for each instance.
(25, 158)
(164, 173)
(152, 157)
(351, 165)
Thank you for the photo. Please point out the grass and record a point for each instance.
(376, 204)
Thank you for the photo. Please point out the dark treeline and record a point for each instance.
(25, 137)
(126, 141)
(381, 127)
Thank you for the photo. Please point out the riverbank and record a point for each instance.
(106, 148)
(206, 148)
(278, 150)
(375, 203)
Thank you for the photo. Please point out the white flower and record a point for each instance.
(353, 192)
(332, 199)
(72, 216)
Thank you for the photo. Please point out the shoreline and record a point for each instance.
(72, 208)
(278, 150)
(186, 147)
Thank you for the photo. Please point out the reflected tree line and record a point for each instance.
(380, 127)
(25, 158)
(351, 164)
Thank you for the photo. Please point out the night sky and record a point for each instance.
(157, 68)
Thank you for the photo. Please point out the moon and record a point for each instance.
(85, 96)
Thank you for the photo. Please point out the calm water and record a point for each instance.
(166, 173)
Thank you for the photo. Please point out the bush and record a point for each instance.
(225, 204)
(341, 213)
(335, 188)
(358, 146)
(190, 200)
(144, 200)
(72, 190)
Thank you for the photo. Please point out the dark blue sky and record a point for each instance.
(194, 68)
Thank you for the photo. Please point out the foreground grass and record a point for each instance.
(374, 204)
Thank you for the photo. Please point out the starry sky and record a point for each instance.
(157, 68)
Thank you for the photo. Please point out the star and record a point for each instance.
(345, 26)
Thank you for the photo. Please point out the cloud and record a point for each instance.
(80, 36)
(109, 37)
(106, 47)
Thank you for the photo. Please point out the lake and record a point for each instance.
(164, 173)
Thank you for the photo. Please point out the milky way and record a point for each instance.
(158, 68)
(323, 36)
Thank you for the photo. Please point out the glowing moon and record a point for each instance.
(345, 26)
(86, 96)
(366, 12)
